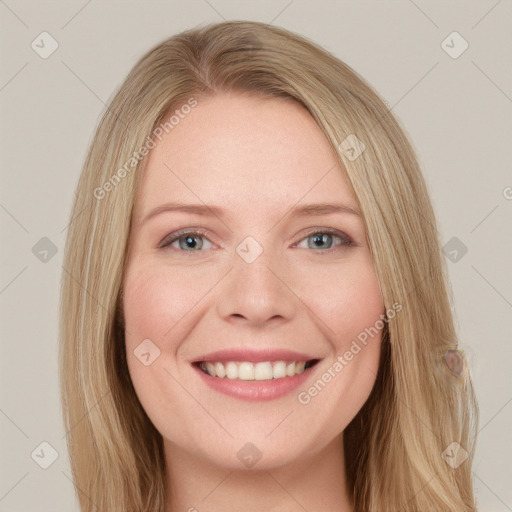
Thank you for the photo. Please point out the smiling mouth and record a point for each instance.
(265, 370)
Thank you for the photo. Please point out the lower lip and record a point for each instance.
(255, 390)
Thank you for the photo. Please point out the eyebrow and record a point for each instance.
(217, 211)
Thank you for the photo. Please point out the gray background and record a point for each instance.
(457, 112)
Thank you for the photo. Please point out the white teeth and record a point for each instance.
(210, 368)
(231, 371)
(279, 370)
(263, 371)
(299, 367)
(254, 371)
(220, 371)
(246, 371)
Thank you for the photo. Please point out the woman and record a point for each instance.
(215, 354)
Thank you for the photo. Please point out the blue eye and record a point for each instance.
(194, 241)
(188, 241)
(322, 237)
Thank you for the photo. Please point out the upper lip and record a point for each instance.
(254, 356)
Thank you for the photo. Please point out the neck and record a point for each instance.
(315, 482)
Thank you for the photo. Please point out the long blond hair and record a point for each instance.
(417, 409)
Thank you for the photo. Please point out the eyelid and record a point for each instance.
(330, 231)
(175, 235)
(347, 241)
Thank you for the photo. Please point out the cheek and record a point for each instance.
(345, 301)
(157, 299)
(155, 303)
(349, 308)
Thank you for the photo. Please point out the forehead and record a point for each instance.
(243, 150)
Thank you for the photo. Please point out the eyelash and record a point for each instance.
(346, 241)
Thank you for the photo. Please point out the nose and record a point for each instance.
(258, 293)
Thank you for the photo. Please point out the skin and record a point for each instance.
(256, 158)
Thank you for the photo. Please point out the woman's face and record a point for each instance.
(227, 253)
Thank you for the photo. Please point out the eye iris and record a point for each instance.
(318, 239)
(191, 242)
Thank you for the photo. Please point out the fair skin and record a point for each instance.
(257, 159)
